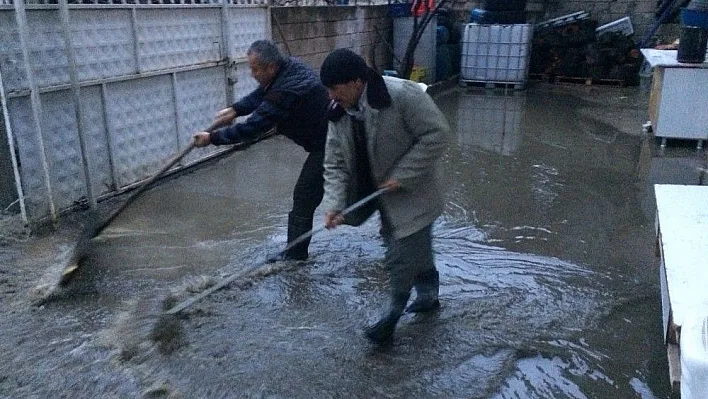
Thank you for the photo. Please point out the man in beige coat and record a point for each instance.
(386, 132)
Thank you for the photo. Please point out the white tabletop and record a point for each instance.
(682, 213)
(667, 58)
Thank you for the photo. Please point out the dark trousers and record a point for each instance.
(309, 188)
(409, 262)
(307, 196)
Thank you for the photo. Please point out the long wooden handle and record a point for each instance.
(93, 230)
(146, 184)
(351, 208)
(228, 280)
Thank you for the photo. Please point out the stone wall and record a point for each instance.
(310, 33)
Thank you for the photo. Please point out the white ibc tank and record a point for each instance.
(496, 53)
(694, 358)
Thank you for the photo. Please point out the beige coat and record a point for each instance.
(405, 142)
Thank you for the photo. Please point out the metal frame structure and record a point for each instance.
(96, 95)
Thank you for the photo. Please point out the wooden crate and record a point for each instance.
(587, 81)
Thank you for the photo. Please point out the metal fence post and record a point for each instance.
(178, 117)
(226, 51)
(136, 44)
(269, 25)
(76, 92)
(21, 19)
(109, 137)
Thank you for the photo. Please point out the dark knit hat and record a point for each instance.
(342, 66)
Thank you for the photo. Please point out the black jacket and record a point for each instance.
(295, 102)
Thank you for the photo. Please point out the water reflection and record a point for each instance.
(491, 121)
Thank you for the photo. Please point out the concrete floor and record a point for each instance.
(548, 277)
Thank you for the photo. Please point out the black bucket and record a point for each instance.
(692, 46)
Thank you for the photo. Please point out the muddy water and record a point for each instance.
(548, 281)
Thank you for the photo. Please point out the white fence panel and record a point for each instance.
(142, 126)
(180, 37)
(103, 43)
(29, 154)
(149, 77)
(246, 26)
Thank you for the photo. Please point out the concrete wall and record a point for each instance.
(312, 32)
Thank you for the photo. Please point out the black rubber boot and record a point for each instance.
(297, 226)
(426, 286)
(381, 332)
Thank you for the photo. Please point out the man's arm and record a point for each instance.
(249, 103)
(274, 108)
(225, 116)
(429, 129)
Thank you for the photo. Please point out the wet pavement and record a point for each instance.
(549, 285)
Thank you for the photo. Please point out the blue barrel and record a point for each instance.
(480, 16)
(442, 34)
(698, 18)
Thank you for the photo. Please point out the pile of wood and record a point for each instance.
(572, 49)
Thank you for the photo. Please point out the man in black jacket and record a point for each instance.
(291, 98)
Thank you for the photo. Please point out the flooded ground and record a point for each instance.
(549, 286)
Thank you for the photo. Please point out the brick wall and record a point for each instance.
(310, 33)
